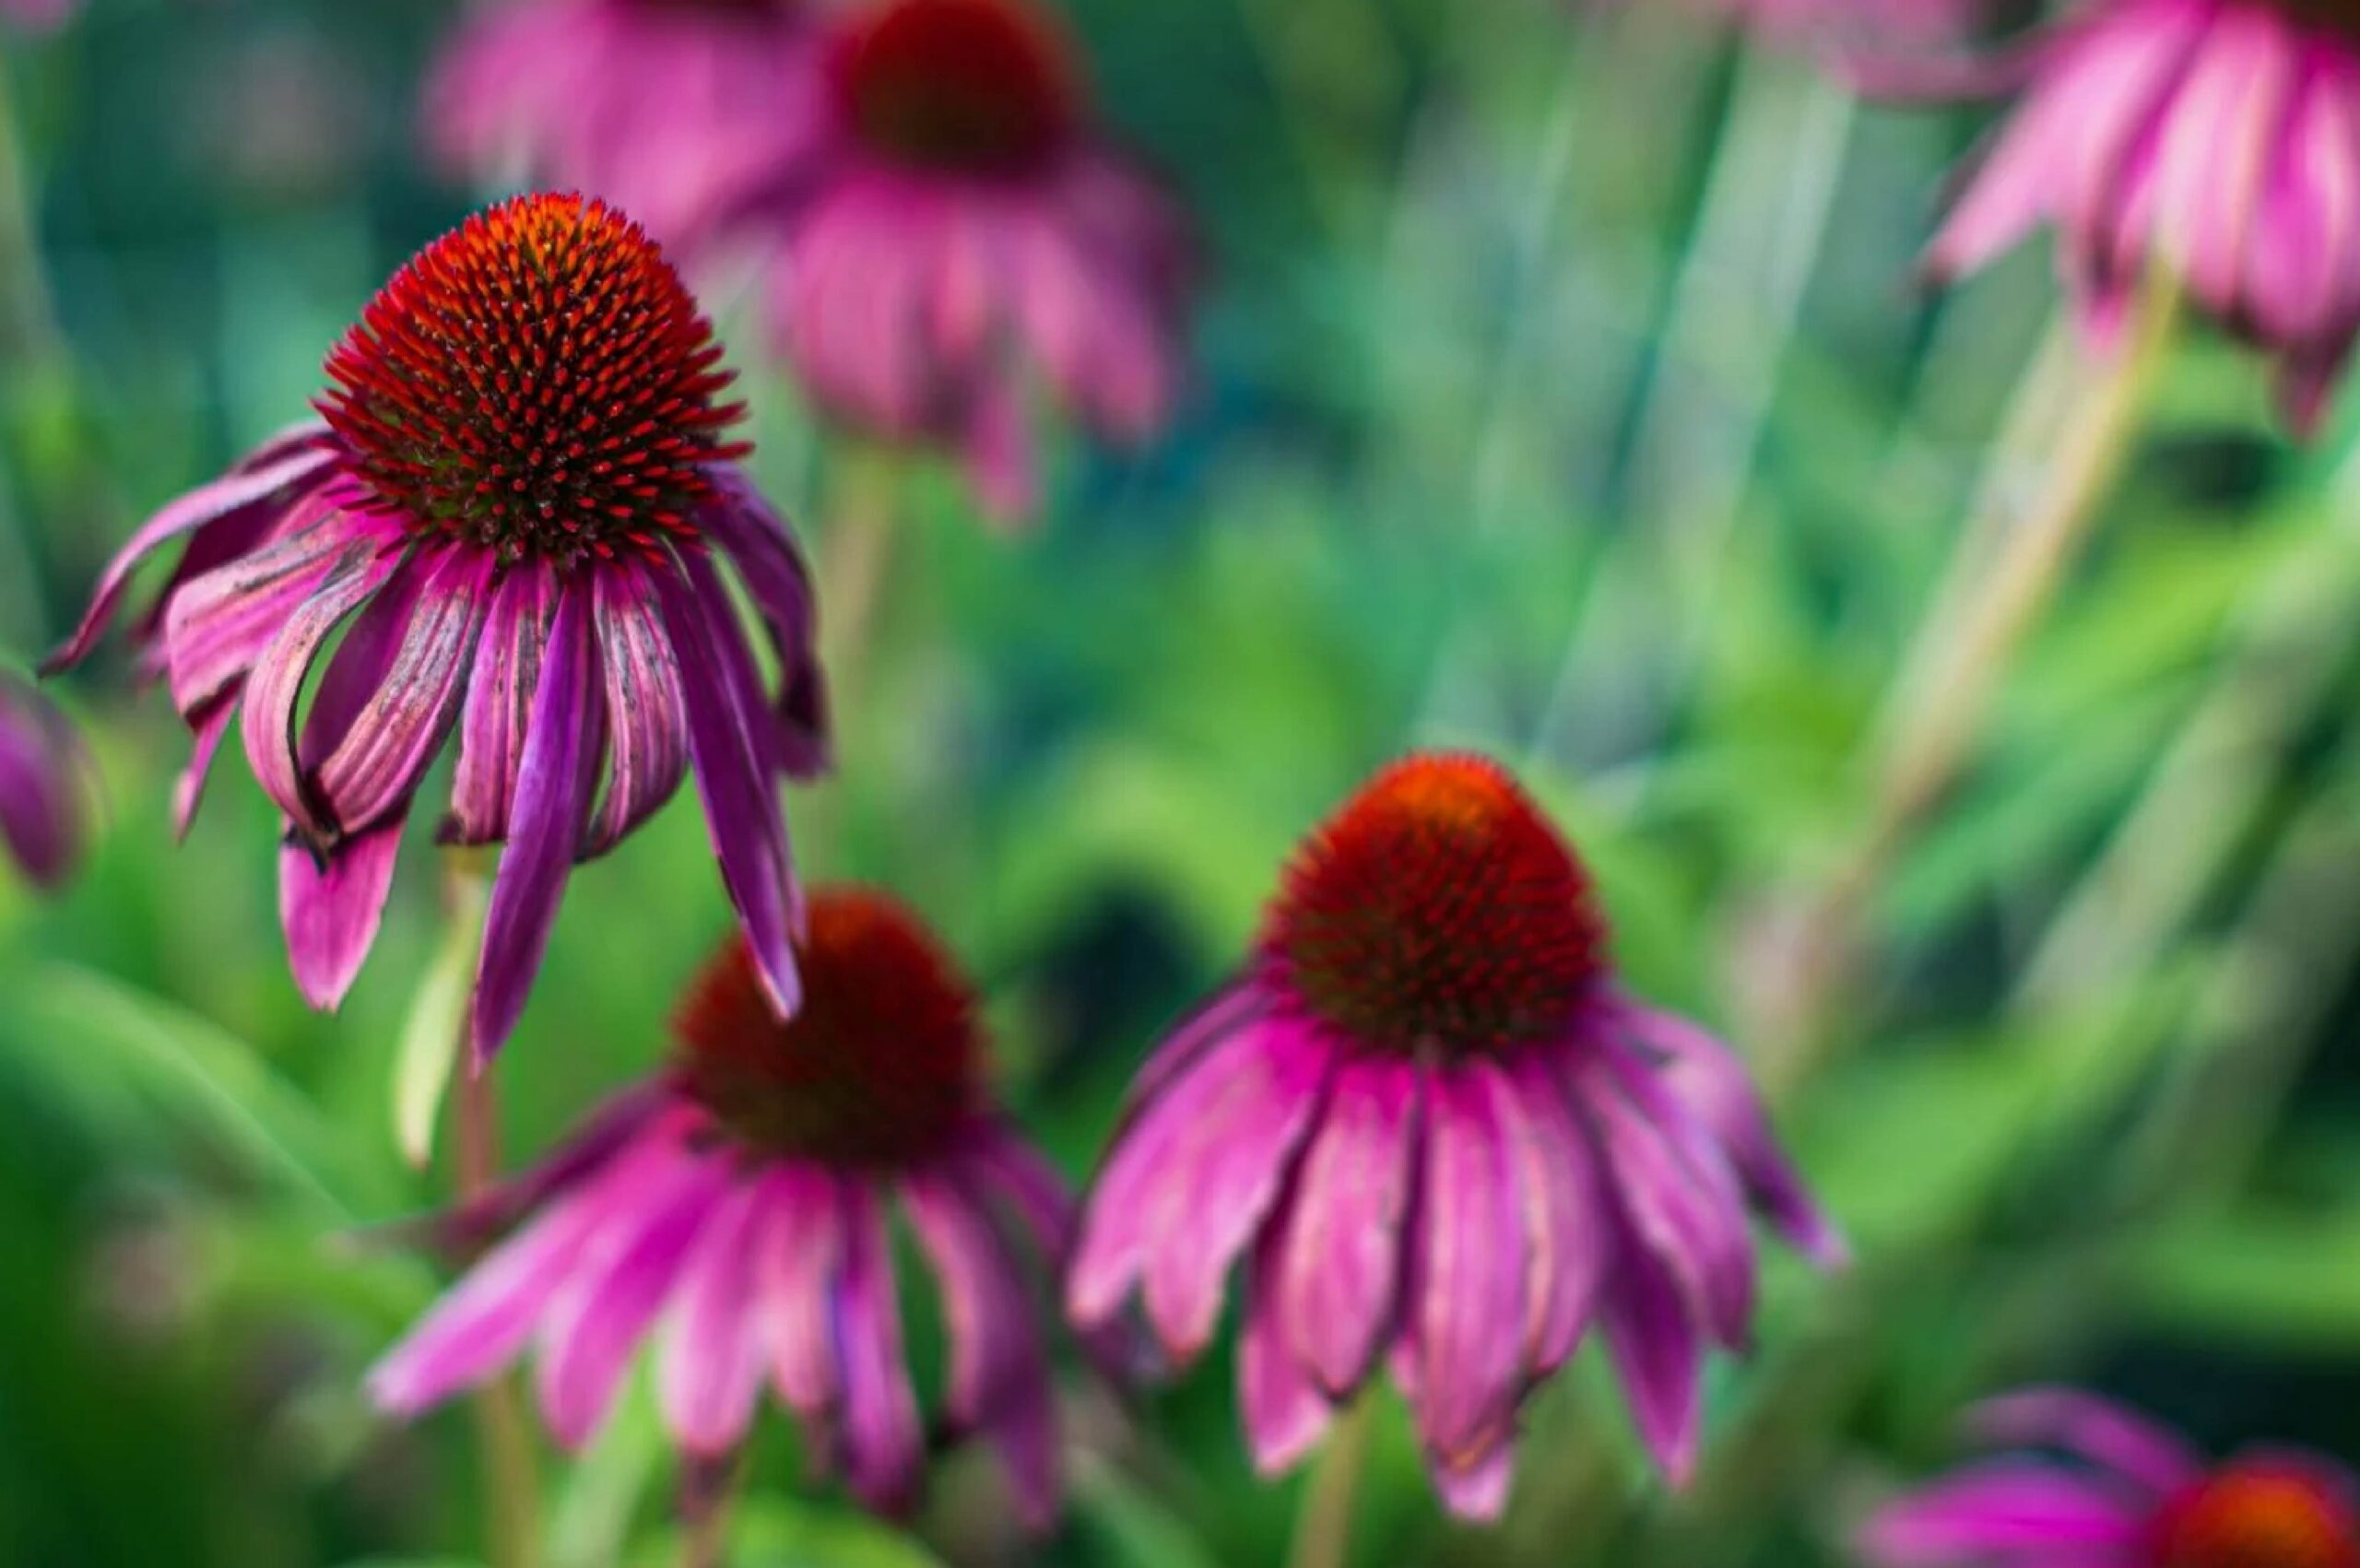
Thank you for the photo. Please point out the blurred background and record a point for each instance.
(1560, 391)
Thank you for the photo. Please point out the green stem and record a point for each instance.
(1323, 1532)
(504, 1444)
(708, 1493)
(856, 558)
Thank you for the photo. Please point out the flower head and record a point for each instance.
(1441, 1139)
(2217, 139)
(741, 1198)
(511, 515)
(679, 110)
(41, 766)
(2121, 1493)
(963, 227)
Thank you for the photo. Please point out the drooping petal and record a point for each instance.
(386, 748)
(1569, 1239)
(218, 625)
(1476, 1487)
(276, 683)
(1470, 1303)
(627, 1268)
(206, 726)
(762, 546)
(799, 1250)
(1225, 1177)
(1708, 1077)
(1657, 1352)
(554, 787)
(999, 1380)
(710, 1371)
(207, 505)
(41, 766)
(330, 904)
(1337, 1280)
(742, 809)
(1281, 1408)
(883, 1447)
(2004, 1512)
(500, 704)
(644, 708)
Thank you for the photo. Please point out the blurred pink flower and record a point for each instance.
(2217, 139)
(38, 15)
(742, 1197)
(42, 762)
(511, 514)
(676, 110)
(963, 226)
(1440, 1134)
(2121, 1493)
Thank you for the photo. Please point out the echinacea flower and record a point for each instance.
(2217, 139)
(1441, 1136)
(676, 110)
(2118, 1492)
(741, 1198)
(507, 526)
(40, 768)
(965, 227)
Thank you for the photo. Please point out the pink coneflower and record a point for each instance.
(676, 110)
(2121, 1493)
(2217, 139)
(963, 226)
(742, 1198)
(1440, 1134)
(511, 515)
(40, 768)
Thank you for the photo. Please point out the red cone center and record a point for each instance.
(2258, 1514)
(880, 1067)
(1438, 910)
(968, 87)
(537, 382)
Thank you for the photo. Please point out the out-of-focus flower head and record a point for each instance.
(509, 527)
(2113, 1489)
(42, 768)
(2217, 139)
(38, 15)
(1443, 1140)
(742, 1199)
(965, 229)
(676, 110)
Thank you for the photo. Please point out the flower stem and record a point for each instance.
(1935, 714)
(708, 1491)
(1323, 1531)
(856, 558)
(504, 1445)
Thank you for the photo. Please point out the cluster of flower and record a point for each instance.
(1424, 1125)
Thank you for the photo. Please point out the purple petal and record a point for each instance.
(276, 684)
(500, 704)
(883, 1447)
(1468, 1304)
(1709, 1079)
(2001, 1511)
(219, 624)
(1217, 1187)
(644, 707)
(386, 747)
(742, 809)
(1337, 1277)
(763, 547)
(798, 1249)
(2096, 1430)
(330, 904)
(40, 762)
(479, 1325)
(710, 1371)
(222, 500)
(999, 1382)
(554, 786)
(1656, 1352)
(1475, 1488)
(1563, 1194)
(207, 725)
(1284, 1413)
(626, 1269)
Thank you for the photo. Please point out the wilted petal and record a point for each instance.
(219, 624)
(644, 708)
(277, 682)
(762, 546)
(330, 904)
(500, 704)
